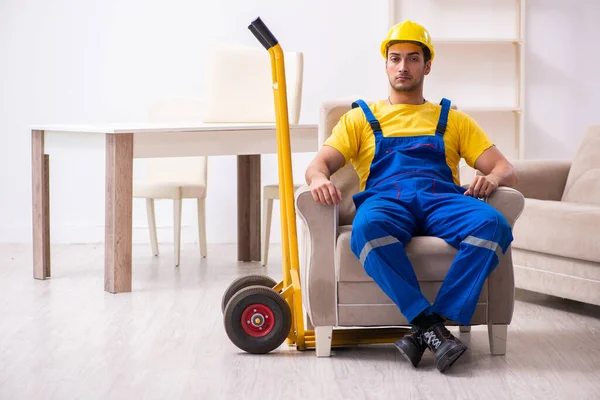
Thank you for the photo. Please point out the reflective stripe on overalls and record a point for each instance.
(410, 191)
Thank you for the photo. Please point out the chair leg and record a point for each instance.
(465, 329)
(266, 229)
(202, 226)
(323, 335)
(177, 203)
(152, 225)
(498, 335)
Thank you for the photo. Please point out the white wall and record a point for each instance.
(76, 61)
(563, 80)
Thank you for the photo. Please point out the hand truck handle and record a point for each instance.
(262, 33)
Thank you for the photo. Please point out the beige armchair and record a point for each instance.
(557, 239)
(338, 293)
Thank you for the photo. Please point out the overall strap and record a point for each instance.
(443, 121)
(370, 117)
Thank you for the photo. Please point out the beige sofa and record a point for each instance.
(556, 249)
(338, 293)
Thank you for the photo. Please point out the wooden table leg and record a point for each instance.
(248, 203)
(119, 207)
(40, 166)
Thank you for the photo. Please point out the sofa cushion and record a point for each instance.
(583, 182)
(559, 228)
(430, 257)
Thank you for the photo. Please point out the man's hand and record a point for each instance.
(327, 161)
(483, 186)
(325, 192)
(496, 170)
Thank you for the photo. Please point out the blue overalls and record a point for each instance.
(410, 191)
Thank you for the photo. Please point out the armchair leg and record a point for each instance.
(465, 329)
(323, 335)
(498, 335)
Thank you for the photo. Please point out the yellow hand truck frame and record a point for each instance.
(259, 313)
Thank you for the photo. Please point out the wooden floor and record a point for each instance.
(66, 338)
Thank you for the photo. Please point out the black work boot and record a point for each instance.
(445, 347)
(412, 346)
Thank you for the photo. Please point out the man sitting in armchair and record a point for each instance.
(406, 152)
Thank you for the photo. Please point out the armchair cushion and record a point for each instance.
(430, 257)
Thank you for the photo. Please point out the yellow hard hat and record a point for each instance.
(407, 31)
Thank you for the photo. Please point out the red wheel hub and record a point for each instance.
(258, 320)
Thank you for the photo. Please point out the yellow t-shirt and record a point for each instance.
(354, 138)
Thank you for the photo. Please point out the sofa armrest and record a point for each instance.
(317, 270)
(542, 179)
(509, 202)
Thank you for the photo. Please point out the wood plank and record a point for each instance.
(40, 206)
(119, 208)
(249, 195)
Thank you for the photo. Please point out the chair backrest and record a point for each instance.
(346, 179)
(583, 181)
(191, 170)
(239, 88)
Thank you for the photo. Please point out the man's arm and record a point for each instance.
(327, 162)
(497, 170)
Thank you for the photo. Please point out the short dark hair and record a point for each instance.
(426, 51)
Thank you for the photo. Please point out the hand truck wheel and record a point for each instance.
(257, 319)
(244, 282)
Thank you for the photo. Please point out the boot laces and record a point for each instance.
(432, 339)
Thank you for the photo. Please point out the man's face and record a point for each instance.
(405, 66)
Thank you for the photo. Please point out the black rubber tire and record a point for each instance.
(264, 296)
(244, 282)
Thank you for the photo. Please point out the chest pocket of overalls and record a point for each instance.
(429, 148)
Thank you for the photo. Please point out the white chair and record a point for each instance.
(175, 178)
(239, 86)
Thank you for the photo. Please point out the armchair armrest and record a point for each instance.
(509, 202)
(501, 282)
(317, 270)
(542, 179)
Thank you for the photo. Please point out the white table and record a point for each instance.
(126, 142)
